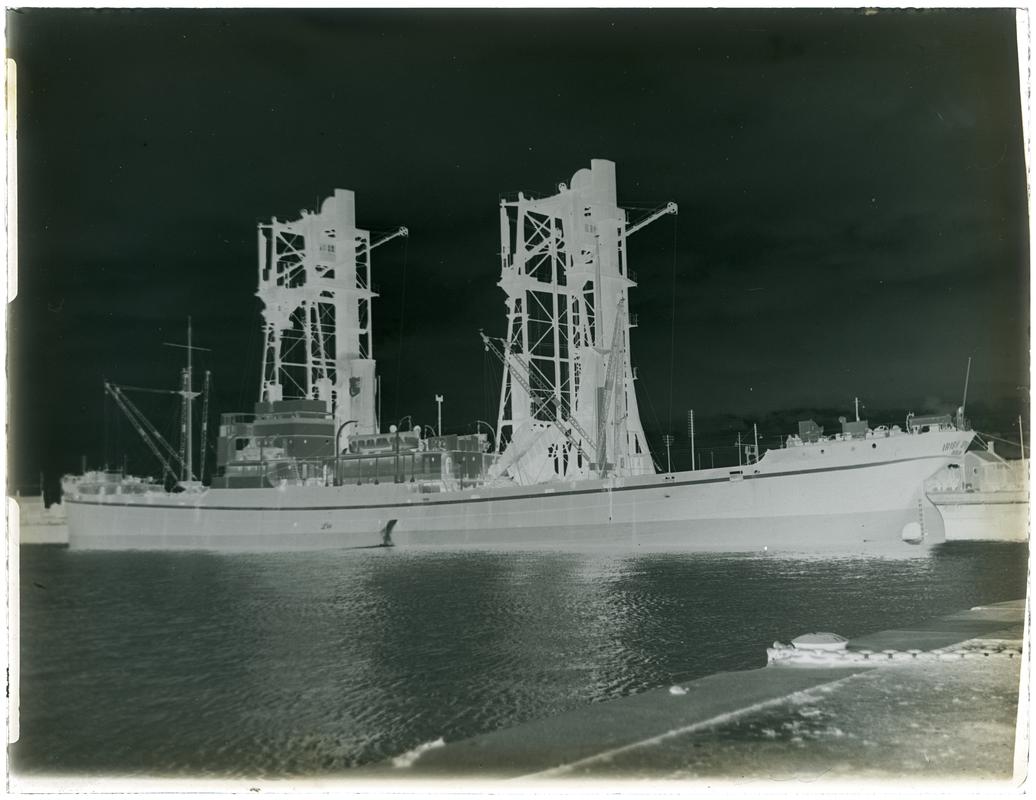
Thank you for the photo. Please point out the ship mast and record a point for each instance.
(189, 399)
(187, 395)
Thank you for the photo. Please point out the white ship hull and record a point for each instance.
(852, 495)
(36, 524)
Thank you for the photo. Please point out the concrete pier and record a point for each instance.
(895, 713)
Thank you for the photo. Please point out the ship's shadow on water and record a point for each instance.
(165, 664)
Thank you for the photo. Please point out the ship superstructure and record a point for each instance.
(312, 466)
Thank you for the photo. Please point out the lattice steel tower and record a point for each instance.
(564, 270)
(315, 286)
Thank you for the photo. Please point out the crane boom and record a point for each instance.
(140, 424)
(402, 231)
(615, 357)
(137, 417)
(669, 208)
(521, 376)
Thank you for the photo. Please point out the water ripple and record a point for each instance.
(303, 664)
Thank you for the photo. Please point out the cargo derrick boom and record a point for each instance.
(574, 435)
(154, 440)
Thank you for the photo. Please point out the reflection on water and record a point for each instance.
(266, 665)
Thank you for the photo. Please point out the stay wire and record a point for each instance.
(402, 318)
(658, 424)
(104, 415)
(485, 386)
(672, 332)
(248, 360)
(1000, 439)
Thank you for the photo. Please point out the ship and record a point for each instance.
(37, 522)
(983, 497)
(313, 467)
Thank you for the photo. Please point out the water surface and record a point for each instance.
(204, 664)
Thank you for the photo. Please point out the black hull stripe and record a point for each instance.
(538, 495)
(977, 503)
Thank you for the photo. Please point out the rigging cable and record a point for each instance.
(672, 331)
(485, 387)
(654, 415)
(246, 362)
(118, 448)
(104, 415)
(999, 439)
(402, 317)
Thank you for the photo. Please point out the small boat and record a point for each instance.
(819, 641)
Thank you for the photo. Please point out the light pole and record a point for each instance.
(668, 439)
(438, 399)
(394, 430)
(492, 433)
(690, 434)
(338, 455)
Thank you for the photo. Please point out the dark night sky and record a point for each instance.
(851, 190)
